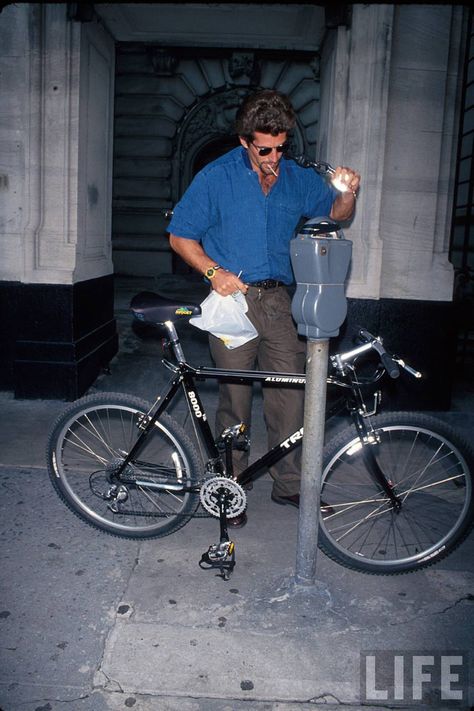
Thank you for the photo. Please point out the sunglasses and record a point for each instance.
(266, 150)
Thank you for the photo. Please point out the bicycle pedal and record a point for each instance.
(221, 556)
(235, 435)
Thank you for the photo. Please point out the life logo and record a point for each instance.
(195, 405)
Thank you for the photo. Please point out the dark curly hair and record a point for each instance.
(265, 111)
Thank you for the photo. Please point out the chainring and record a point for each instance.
(236, 498)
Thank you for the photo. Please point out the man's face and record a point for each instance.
(268, 163)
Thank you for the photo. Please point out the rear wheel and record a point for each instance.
(431, 471)
(87, 445)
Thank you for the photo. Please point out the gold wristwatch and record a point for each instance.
(211, 272)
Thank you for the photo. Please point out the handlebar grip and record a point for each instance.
(390, 366)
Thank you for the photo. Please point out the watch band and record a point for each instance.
(211, 272)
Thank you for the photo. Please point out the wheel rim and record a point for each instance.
(429, 475)
(93, 443)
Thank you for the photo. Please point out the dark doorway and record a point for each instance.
(216, 148)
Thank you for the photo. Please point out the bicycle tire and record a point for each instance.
(87, 443)
(431, 469)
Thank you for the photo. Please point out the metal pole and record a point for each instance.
(312, 460)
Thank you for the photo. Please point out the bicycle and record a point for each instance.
(397, 487)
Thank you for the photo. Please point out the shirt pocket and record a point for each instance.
(289, 217)
(289, 210)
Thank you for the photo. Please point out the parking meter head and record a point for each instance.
(321, 227)
(320, 256)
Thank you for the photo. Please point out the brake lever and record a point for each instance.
(387, 360)
(366, 336)
(408, 368)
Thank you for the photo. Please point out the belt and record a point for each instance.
(267, 284)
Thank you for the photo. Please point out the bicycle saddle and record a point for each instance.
(148, 307)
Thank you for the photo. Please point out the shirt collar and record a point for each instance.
(248, 165)
(246, 159)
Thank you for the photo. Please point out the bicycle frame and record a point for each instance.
(186, 375)
(373, 470)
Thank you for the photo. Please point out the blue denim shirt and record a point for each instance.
(240, 227)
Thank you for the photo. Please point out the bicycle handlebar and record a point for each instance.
(387, 360)
(391, 363)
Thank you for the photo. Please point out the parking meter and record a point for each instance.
(320, 256)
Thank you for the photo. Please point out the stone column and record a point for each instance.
(391, 85)
(420, 155)
(354, 103)
(56, 272)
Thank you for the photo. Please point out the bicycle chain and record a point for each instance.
(237, 499)
(162, 515)
(208, 500)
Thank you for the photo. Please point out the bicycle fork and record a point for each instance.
(369, 440)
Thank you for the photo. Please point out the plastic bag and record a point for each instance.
(224, 317)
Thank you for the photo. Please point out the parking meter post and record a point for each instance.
(313, 441)
(320, 258)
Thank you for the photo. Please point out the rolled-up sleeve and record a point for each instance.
(320, 198)
(193, 214)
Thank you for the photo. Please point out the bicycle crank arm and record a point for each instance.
(221, 555)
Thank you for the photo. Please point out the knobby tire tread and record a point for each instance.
(409, 419)
(121, 399)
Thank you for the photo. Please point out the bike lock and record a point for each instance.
(320, 256)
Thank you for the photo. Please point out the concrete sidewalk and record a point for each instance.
(91, 622)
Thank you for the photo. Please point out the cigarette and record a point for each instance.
(275, 174)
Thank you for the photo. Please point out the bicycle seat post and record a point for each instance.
(174, 341)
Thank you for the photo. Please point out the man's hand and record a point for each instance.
(191, 251)
(347, 181)
(226, 283)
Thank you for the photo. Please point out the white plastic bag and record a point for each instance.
(224, 317)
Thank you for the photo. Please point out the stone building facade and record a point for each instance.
(106, 115)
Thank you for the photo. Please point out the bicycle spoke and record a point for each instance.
(89, 449)
(429, 479)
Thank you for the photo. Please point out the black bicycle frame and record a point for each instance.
(186, 376)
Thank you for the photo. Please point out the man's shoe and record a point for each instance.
(294, 500)
(325, 508)
(237, 521)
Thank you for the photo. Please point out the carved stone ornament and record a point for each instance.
(164, 63)
(244, 65)
(215, 115)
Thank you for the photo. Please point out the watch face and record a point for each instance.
(210, 273)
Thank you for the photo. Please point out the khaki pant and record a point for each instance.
(277, 348)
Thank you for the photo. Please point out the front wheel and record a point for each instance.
(152, 497)
(429, 468)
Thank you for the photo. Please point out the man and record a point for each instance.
(234, 225)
